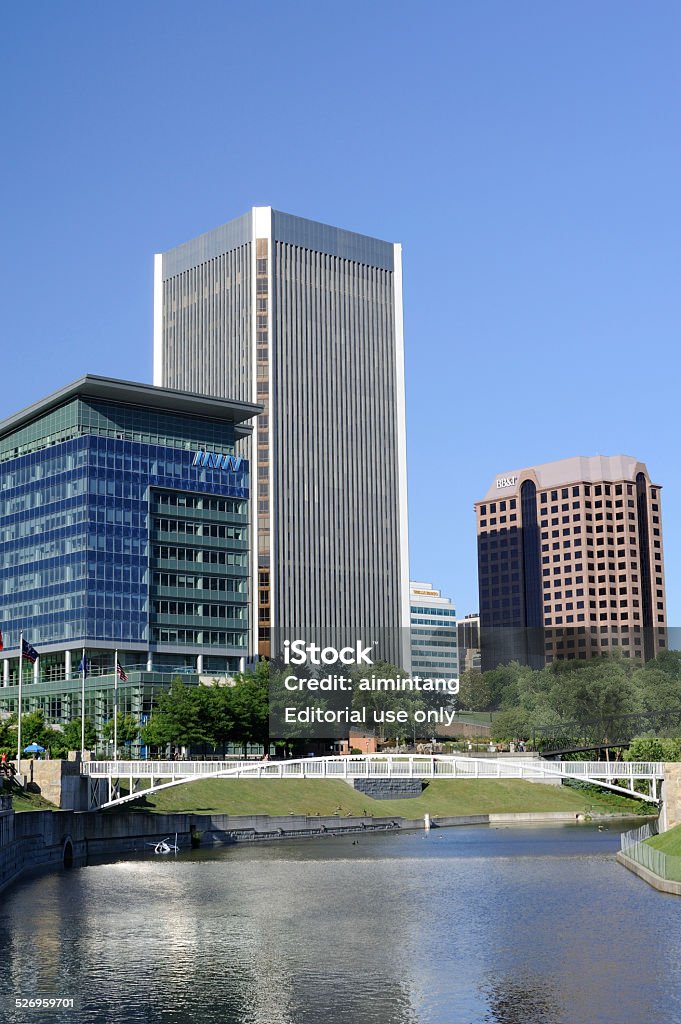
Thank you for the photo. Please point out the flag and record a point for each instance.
(121, 674)
(84, 667)
(28, 652)
(1, 643)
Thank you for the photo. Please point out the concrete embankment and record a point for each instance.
(52, 839)
(36, 840)
(661, 884)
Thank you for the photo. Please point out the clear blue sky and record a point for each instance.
(526, 154)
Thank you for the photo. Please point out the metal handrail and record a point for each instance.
(386, 765)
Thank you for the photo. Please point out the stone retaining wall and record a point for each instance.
(36, 840)
(389, 789)
(58, 781)
(43, 839)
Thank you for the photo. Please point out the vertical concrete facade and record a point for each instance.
(671, 796)
(305, 319)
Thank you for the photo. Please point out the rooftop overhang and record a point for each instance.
(146, 396)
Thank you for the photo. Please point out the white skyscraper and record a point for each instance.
(305, 319)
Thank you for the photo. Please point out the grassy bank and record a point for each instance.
(440, 798)
(668, 842)
(27, 801)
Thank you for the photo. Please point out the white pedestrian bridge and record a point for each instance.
(114, 783)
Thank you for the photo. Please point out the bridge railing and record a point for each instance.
(381, 766)
(611, 769)
(171, 769)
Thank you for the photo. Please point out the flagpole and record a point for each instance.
(21, 680)
(116, 709)
(82, 707)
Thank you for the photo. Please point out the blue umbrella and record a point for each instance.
(34, 748)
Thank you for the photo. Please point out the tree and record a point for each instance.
(34, 730)
(602, 689)
(127, 730)
(475, 691)
(511, 724)
(222, 722)
(657, 690)
(177, 717)
(653, 748)
(8, 737)
(249, 705)
(377, 704)
(668, 662)
(281, 699)
(69, 738)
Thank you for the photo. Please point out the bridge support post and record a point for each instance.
(671, 796)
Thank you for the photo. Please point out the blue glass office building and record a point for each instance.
(123, 526)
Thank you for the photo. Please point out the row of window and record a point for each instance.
(184, 581)
(23, 528)
(557, 620)
(589, 518)
(205, 556)
(206, 637)
(65, 575)
(513, 518)
(625, 641)
(507, 505)
(197, 608)
(447, 612)
(58, 603)
(610, 578)
(34, 498)
(192, 528)
(122, 545)
(201, 502)
(577, 490)
(597, 630)
(431, 642)
(498, 539)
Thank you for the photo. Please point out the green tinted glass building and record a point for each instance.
(124, 526)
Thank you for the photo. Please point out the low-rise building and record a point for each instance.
(433, 633)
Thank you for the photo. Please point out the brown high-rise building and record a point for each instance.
(570, 562)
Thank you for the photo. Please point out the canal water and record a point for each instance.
(458, 926)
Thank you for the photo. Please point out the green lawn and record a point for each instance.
(439, 798)
(30, 801)
(669, 842)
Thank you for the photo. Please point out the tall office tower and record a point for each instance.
(305, 319)
(433, 633)
(570, 562)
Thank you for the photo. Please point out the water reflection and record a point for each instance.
(526, 1000)
(511, 926)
